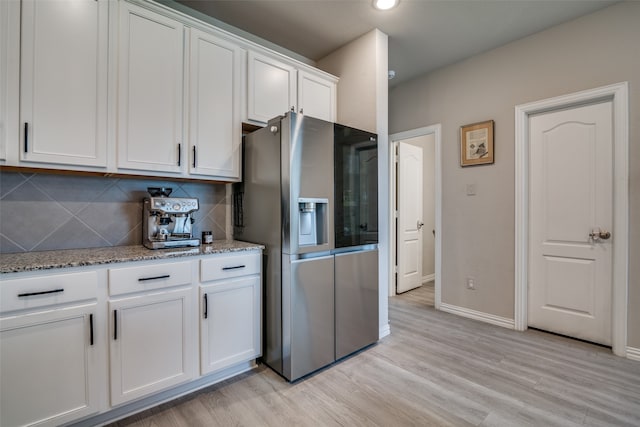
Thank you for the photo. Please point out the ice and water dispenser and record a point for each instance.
(313, 221)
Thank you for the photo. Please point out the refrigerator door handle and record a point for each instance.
(311, 255)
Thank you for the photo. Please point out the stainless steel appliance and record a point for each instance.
(167, 221)
(356, 238)
(286, 202)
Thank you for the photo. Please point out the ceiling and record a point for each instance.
(423, 34)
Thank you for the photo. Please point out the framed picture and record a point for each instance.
(476, 144)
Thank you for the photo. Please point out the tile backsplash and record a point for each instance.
(45, 212)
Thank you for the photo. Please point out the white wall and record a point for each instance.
(589, 52)
(362, 68)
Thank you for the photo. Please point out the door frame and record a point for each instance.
(618, 95)
(436, 130)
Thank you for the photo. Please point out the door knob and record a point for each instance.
(420, 224)
(597, 234)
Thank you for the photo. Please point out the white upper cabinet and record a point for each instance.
(133, 87)
(215, 117)
(275, 87)
(316, 96)
(63, 92)
(150, 91)
(271, 88)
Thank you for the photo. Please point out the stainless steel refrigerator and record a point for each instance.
(286, 202)
(356, 238)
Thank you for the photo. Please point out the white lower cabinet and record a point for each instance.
(230, 323)
(151, 343)
(77, 344)
(49, 354)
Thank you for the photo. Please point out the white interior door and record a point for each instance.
(570, 251)
(410, 223)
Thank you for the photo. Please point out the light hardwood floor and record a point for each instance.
(435, 369)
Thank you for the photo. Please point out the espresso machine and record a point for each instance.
(167, 221)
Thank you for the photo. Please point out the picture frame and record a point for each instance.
(476, 144)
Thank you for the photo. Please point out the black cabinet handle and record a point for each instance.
(30, 294)
(91, 329)
(26, 137)
(179, 153)
(115, 325)
(235, 267)
(206, 306)
(194, 156)
(144, 279)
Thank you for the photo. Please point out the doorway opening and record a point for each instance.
(411, 227)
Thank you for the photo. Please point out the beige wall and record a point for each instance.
(363, 103)
(355, 65)
(478, 232)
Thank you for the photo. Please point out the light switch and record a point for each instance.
(471, 189)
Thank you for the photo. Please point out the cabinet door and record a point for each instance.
(230, 323)
(48, 367)
(316, 96)
(151, 343)
(63, 105)
(271, 88)
(150, 91)
(215, 106)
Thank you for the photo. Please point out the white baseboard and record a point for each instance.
(384, 331)
(429, 278)
(633, 353)
(478, 315)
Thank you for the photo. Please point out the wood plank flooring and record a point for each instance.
(435, 369)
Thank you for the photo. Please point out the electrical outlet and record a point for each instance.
(471, 283)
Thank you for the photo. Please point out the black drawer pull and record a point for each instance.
(91, 329)
(235, 267)
(206, 307)
(26, 137)
(30, 294)
(144, 279)
(115, 325)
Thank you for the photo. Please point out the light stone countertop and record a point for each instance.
(46, 260)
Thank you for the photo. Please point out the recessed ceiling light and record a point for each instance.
(385, 4)
(392, 74)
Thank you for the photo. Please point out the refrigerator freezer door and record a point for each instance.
(356, 288)
(311, 319)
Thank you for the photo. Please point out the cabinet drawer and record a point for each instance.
(225, 266)
(149, 277)
(32, 292)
